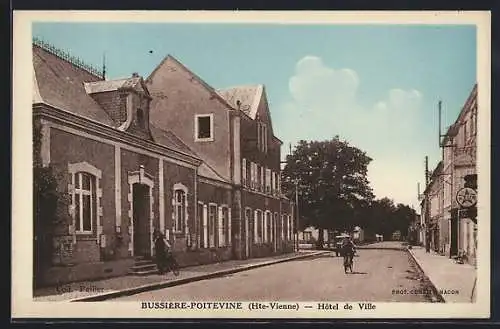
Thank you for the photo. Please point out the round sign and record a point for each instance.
(467, 197)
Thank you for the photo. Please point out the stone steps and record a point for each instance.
(143, 267)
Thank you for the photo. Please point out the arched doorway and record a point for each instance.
(141, 213)
(141, 219)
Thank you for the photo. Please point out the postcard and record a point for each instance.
(251, 164)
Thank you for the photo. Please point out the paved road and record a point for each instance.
(377, 274)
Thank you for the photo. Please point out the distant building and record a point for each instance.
(358, 234)
(311, 235)
(396, 236)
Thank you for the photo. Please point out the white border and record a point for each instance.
(22, 303)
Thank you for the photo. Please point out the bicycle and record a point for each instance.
(348, 262)
(169, 263)
(172, 264)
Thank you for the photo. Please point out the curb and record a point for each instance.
(160, 285)
(383, 248)
(433, 286)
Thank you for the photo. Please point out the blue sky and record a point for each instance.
(376, 86)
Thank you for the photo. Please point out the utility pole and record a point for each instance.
(297, 211)
(296, 182)
(427, 207)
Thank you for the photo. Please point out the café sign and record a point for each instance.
(466, 197)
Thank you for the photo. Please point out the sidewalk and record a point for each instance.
(127, 285)
(455, 282)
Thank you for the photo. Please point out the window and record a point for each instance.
(212, 214)
(224, 227)
(275, 183)
(140, 118)
(244, 172)
(252, 175)
(275, 227)
(258, 226)
(200, 226)
(261, 136)
(268, 180)
(204, 127)
(85, 202)
(307, 236)
(259, 178)
(268, 227)
(180, 210)
(264, 141)
(283, 227)
(248, 215)
(261, 185)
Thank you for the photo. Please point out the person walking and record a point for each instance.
(160, 251)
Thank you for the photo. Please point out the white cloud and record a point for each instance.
(313, 82)
(326, 99)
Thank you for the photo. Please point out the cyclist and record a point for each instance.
(348, 250)
(160, 251)
(165, 260)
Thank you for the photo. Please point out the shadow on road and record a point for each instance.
(358, 272)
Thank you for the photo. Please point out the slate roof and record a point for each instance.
(59, 83)
(206, 171)
(111, 85)
(248, 95)
(169, 139)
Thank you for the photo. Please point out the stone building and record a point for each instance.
(168, 153)
(457, 227)
(434, 199)
(459, 162)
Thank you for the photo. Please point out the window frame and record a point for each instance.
(244, 172)
(179, 220)
(225, 227)
(258, 221)
(86, 167)
(178, 187)
(79, 193)
(212, 243)
(197, 128)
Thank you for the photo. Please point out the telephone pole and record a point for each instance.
(427, 207)
(297, 212)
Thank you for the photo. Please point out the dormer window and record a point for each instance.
(140, 118)
(204, 127)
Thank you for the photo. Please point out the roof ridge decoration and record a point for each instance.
(68, 57)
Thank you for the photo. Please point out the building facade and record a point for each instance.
(434, 220)
(457, 227)
(131, 164)
(460, 158)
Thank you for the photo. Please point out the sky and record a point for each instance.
(376, 86)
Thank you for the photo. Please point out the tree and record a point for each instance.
(49, 206)
(332, 184)
(384, 217)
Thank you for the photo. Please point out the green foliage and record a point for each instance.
(332, 183)
(384, 217)
(49, 205)
(334, 191)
